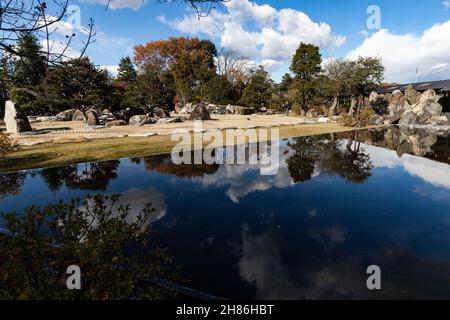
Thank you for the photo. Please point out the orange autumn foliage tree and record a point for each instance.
(190, 60)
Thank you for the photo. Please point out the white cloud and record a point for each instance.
(119, 4)
(113, 70)
(402, 54)
(58, 47)
(446, 4)
(61, 27)
(264, 34)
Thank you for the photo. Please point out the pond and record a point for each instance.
(338, 204)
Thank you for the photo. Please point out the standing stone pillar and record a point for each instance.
(15, 119)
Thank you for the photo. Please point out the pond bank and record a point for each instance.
(82, 149)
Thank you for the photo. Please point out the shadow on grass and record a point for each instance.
(22, 162)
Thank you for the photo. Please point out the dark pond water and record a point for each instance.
(338, 204)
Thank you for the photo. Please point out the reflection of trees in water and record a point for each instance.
(114, 254)
(327, 155)
(88, 176)
(163, 164)
(11, 183)
(302, 163)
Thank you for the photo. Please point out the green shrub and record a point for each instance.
(111, 245)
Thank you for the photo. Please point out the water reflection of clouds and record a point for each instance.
(433, 172)
(265, 264)
(246, 179)
(138, 198)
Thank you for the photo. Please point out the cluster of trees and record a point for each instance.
(168, 71)
(179, 70)
(42, 88)
(312, 82)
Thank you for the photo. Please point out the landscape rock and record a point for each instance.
(376, 120)
(46, 118)
(187, 109)
(333, 108)
(323, 120)
(140, 120)
(426, 106)
(396, 104)
(92, 118)
(117, 123)
(15, 119)
(391, 120)
(311, 113)
(243, 110)
(374, 97)
(230, 109)
(411, 95)
(176, 120)
(200, 112)
(159, 112)
(216, 109)
(65, 115)
(408, 119)
(439, 120)
(78, 115)
(353, 104)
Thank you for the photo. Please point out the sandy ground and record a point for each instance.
(73, 131)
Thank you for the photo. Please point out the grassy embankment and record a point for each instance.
(56, 154)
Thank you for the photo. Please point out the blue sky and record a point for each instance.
(411, 36)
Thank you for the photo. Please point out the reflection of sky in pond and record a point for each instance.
(308, 232)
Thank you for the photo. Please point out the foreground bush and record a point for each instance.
(109, 244)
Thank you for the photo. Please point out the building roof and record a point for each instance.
(441, 85)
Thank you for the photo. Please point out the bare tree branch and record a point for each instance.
(39, 17)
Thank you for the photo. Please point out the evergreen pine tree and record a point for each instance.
(30, 67)
(258, 91)
(126, 72)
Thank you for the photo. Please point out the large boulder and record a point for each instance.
(396, 104)
(187, 109)
(439, 121)
(230, 109)
(92, 118)
(428, 103)
(411, 95)
(159, 112)
(140, 120)
(15, 119)
(374, 97)
(409, 118)
(217, 109)
(420, 108)
(243, 110)
(391, 120)
(200, 112)
(78, 115)
(66, 115)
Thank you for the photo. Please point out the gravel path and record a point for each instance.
(71, 131)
